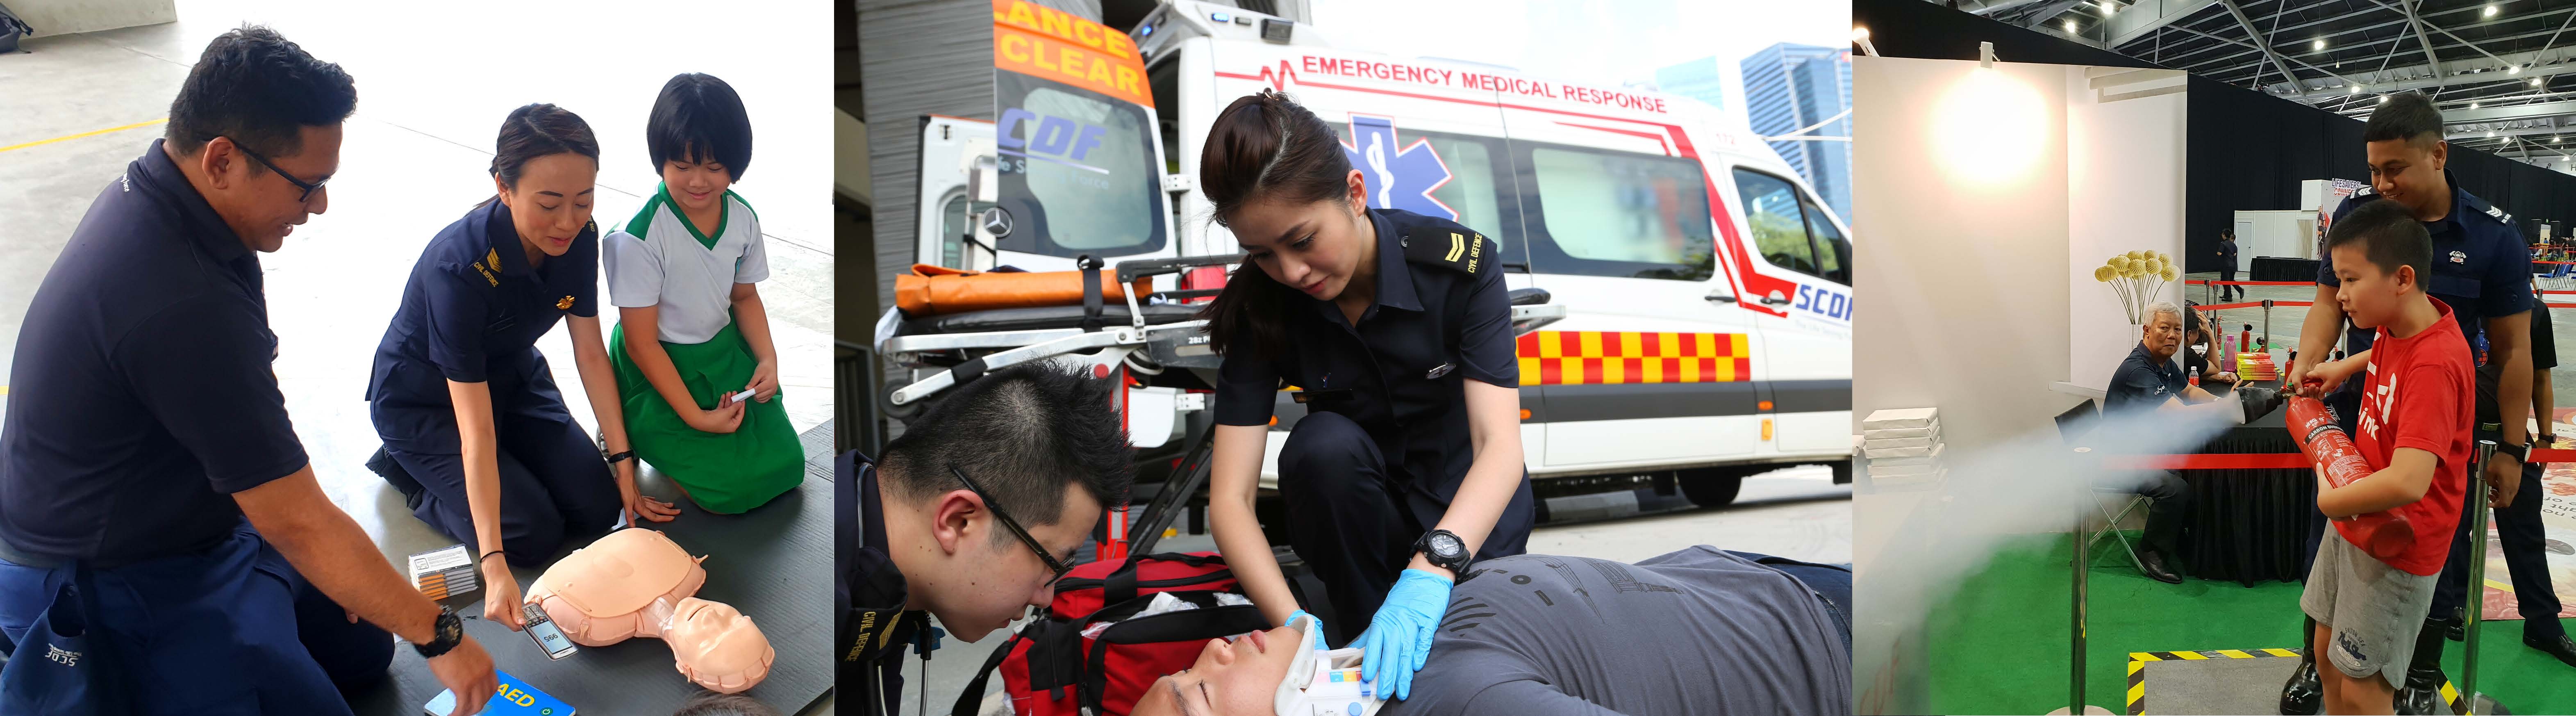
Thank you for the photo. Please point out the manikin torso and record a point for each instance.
(637, 582)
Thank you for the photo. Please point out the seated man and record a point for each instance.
(2150, 379)
(1695, 631)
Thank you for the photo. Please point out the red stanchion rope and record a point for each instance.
(2265, 461)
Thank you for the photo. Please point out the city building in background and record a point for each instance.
(1788, 87)
(1703, 79)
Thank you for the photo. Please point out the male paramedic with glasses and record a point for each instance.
(971, 516)
(147, 453)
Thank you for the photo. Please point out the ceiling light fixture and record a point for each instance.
(2318, 45)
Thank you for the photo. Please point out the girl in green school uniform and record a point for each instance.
(696, 371)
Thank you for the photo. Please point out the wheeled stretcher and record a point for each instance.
(1144, 337)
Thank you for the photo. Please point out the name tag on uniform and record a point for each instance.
(1439, 371)
(1321, 395)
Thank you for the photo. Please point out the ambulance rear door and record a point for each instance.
(1081, 173)
(1648, 368)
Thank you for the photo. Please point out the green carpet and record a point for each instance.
(1999, 644)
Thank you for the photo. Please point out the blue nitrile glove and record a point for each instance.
(1320, 637)
(1399, 639)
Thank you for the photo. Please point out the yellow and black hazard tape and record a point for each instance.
(2138, 671)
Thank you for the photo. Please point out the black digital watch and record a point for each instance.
(444, 635)
(1444, 548)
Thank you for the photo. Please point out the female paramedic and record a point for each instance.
(476, 436)
(1395, 329)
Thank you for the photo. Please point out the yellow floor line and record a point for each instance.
(94, 133)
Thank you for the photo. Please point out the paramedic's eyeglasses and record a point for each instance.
(308, 187)
(1016, 530)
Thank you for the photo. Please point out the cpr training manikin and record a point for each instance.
(637, 582)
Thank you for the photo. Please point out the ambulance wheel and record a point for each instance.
(1710, 486)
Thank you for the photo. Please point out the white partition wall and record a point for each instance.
(1960, 188)
(2124, 175)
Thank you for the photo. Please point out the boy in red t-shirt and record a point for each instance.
(2414, 430)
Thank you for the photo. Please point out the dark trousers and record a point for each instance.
(2229, 274)
(232, 629)
(1351, 518)
(2526, 556)
(1832, 584)
(554, 488)
(2168, 509)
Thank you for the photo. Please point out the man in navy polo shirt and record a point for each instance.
(146, 446)
(2482, 270)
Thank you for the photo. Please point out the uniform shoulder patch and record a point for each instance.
(2498, 213)
(1451, 247)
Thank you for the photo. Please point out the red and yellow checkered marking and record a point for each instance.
(1608, 357)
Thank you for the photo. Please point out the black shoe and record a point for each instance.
(2457, 631)
(2303, 695)
(2423, 693)
(2153, 565)
(2561, 647)
(384, 466)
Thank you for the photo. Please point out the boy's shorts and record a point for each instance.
(2374, 610)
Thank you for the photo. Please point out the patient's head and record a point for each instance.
(1230, 679)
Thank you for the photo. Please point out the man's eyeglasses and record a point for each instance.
(1052, 563)
(308, 187)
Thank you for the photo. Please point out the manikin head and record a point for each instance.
(2381, 255)
(256, 128)
(637, 582)
(1037, 445)
(2403, 143)
(1276, 176)
(1279, 672)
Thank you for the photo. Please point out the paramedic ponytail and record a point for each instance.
(538, 130)
(1264, 148)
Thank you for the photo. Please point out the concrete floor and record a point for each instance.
(1797, 513)
(416, 155)
(2285, 322)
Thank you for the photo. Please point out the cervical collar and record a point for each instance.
(637, 582)
(1324, 682)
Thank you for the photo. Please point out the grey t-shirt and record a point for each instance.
(1692, 632)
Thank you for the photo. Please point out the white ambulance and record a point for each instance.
(1707, 289)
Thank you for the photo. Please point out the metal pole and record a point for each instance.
(2475, 605)
(2075, 670)
(2267, 326)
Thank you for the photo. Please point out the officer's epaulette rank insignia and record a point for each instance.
(491, 258)
(2498, 213)
(1461, 251)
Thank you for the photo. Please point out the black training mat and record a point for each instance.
(773, 563)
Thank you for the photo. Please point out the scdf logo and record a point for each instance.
(1048, 138)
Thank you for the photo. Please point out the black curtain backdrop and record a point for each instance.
(2244, 150)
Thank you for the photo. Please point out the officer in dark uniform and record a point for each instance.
(483, 291)
(1395, 329)
(872, 626)
(2482, 270)
(147, 456)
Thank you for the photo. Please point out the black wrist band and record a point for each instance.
(486, 555)
(613, 458)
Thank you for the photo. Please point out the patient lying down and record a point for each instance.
(1701, 630)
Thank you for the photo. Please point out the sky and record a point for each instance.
(1608, 41)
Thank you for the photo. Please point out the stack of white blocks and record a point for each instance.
(1903, 446)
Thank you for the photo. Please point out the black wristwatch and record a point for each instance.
(2519, 452)
(613, 458)
(1443, 548)
(444, 635)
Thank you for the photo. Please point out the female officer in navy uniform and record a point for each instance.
(476, 436)
(1396, 329)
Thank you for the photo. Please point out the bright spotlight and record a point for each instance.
(2318, 45)
(2491, 11)
(2070, 26)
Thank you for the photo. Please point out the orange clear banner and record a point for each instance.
(1054, 45)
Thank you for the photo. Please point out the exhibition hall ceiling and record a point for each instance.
(2504, 73)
